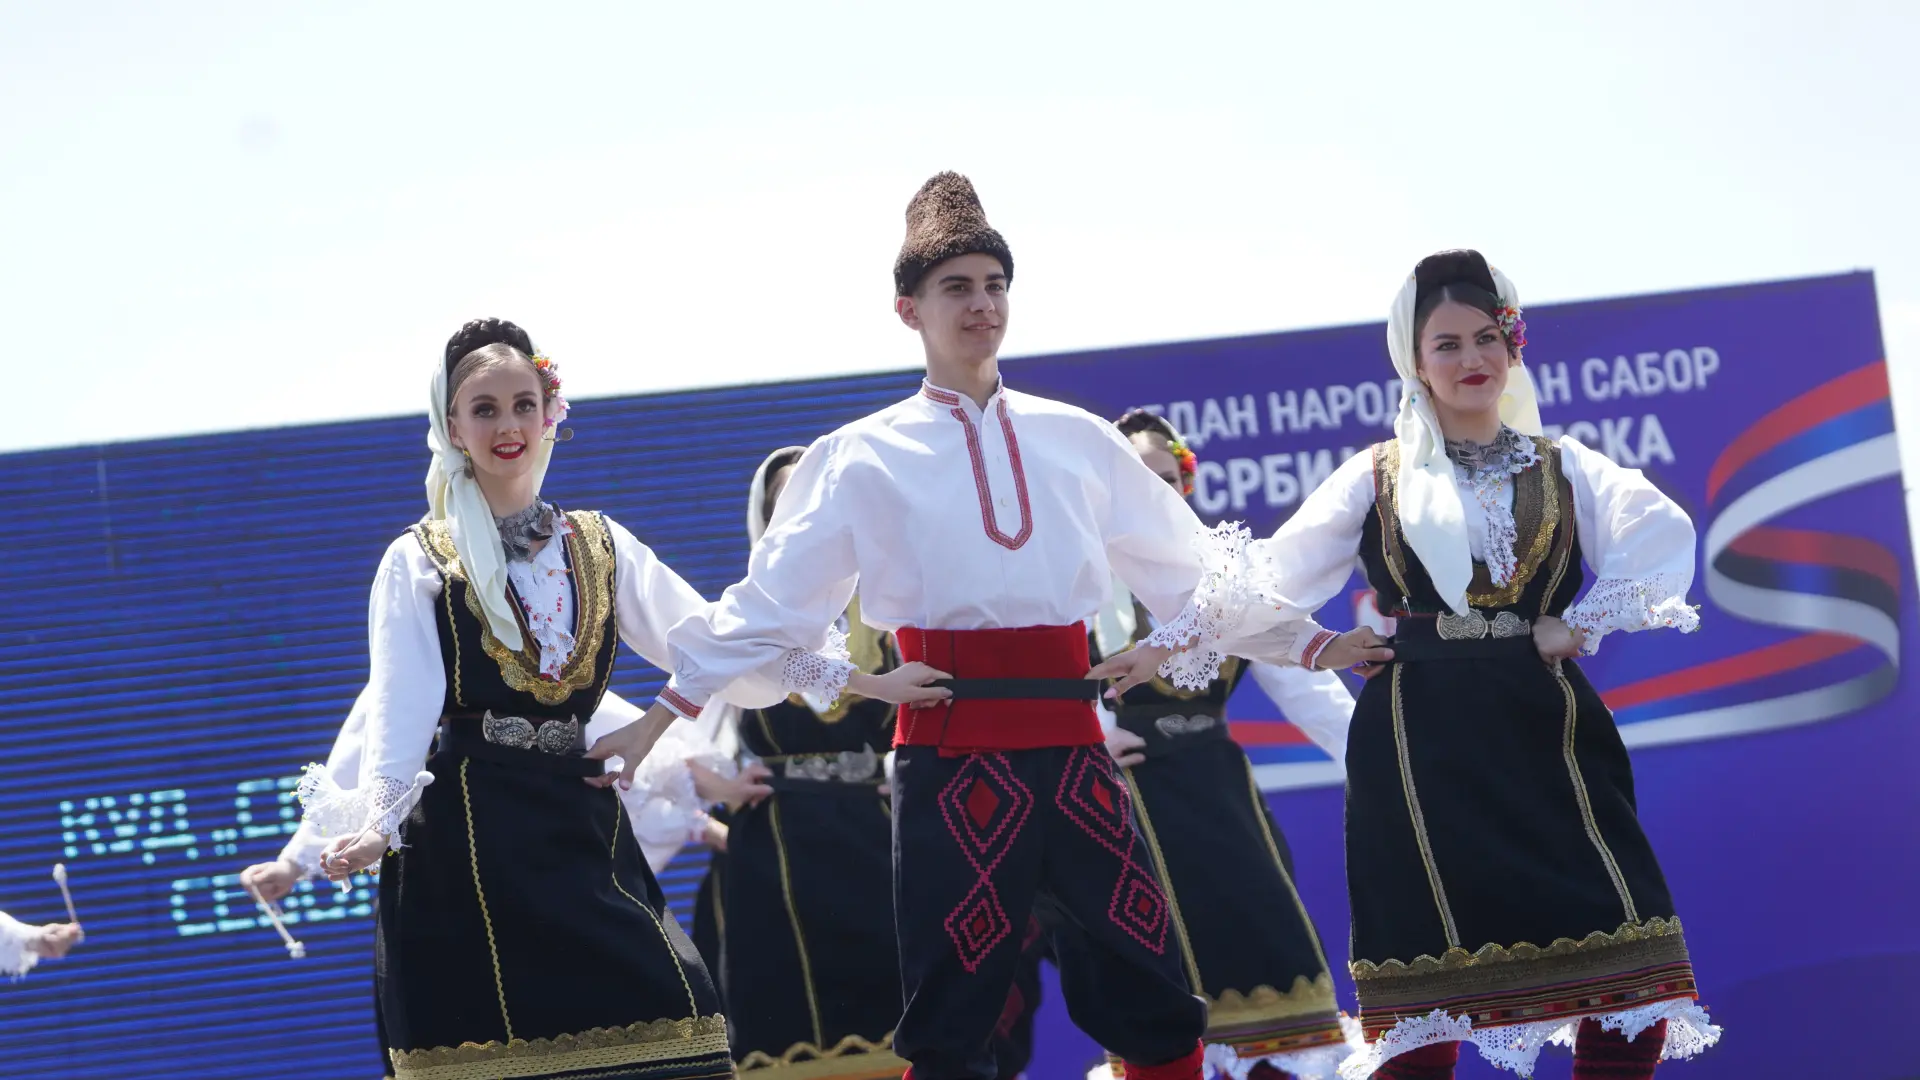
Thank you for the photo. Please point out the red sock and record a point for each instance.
(1185, 1067)
(1599, 1054)
(1434, 1061)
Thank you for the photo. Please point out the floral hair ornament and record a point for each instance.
(1515, 327)
(556, 401)
(1189, 465)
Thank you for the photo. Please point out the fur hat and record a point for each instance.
(945, 221)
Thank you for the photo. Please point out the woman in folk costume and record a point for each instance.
(810, 971)
(519, 931)
(1503, 892)
(1249, 946)
(299, 858)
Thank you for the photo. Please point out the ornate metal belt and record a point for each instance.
(1172, 732)
(1473, 626)
(846, 767)
(1174, 726)
(552, 736)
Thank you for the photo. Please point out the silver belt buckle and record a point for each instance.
(551, 737)
(1175, 725)
(1473, 626)
(846, 767)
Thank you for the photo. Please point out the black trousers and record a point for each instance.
(982, 842)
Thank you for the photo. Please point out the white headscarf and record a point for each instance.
(1431, 514)
(757, 494)
(453, 494)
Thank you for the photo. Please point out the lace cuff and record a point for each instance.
(1218, 606)
(821, 676)
(379, 805)
(1632, 604)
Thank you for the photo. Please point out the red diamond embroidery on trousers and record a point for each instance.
(1092, 797)
(984, 788)
(981, 803)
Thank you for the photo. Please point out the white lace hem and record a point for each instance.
(1218, 606)
(1632, 604)
(1314, 1063)
(820, 677)
(380, 805)
(1516, 1047)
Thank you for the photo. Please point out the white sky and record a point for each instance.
(217, 216)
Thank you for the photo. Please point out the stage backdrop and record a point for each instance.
(188, 629)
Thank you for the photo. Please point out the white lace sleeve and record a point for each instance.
(1630, 604)
(378, 805)
(402, 702)
(1639, 543)
(821, 676)
(1294, 572)
(16, 958)
(1217, 609)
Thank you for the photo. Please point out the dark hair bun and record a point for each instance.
(481, 333)
(1135, 421)
(1462, 266)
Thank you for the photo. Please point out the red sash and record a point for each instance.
(974, 725)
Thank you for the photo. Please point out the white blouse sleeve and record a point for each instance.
(650, 599)
(1639, 544)
(343, 765)
(405, 694)
(1316, 702)
(16, 957)
(665, 809)
(1308, 561)
(799, 580)
(1193, 579)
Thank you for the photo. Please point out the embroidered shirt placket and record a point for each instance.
(982, 481)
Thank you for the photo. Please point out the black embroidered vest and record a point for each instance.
(1547, 574)
(483, 674)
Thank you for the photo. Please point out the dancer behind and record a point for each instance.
(1249, 946)
(1503, 892)
(23, 946)
(810, 974)
(981, 525)
(519, 930)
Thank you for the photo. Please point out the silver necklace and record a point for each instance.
(520, 531)
(1508, 453)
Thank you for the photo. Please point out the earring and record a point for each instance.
(469, 457)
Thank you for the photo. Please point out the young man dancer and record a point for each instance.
(1008, 513)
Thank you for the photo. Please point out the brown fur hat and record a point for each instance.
(945, 221)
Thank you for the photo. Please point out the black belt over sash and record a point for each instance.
(1023, 689)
